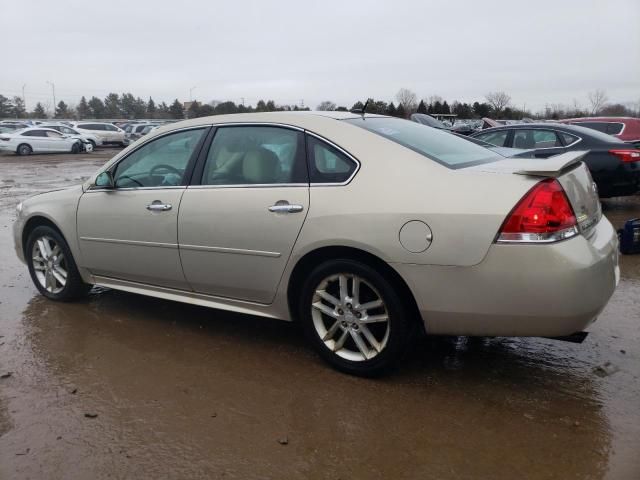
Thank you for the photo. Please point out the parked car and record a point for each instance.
(614, 165)
(94, 140)
(38, 140)
(507, 152)
(13, 126)
(107, 132)
(361, 227)
(425, 119)
(626, 129)
(137, 131)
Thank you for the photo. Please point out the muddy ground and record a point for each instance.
(178, 391)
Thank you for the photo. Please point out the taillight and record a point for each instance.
(627, 155)
(543, 215)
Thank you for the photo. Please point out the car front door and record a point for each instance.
(237, 227)
(129, 232)
(56, 142)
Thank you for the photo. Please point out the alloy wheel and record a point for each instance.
(49, 264)
(350, 317)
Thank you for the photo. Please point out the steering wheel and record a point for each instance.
(166, 167)
(130, 178)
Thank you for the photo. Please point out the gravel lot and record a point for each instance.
(123, 386)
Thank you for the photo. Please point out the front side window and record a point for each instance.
(327, 164)
(495, 138)
(252, 155)
(437, 145)
(159, 163)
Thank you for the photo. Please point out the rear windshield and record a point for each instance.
(439, 145)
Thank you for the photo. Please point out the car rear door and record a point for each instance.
(239, 220)
(37, 139)
(545, 142)
(130, 232)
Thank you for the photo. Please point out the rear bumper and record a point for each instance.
(520, 290)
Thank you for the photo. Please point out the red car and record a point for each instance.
(626, 129)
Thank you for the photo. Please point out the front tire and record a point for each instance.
(93, 144)
(24, 149)
(354, 318)
(52, 267)
(75, 148)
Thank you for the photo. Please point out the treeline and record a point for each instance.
(497, 105)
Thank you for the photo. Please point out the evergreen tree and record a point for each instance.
(391, 110)
(39, 112)
(5, 107)
(83, 109)
(481, 109)
(261, 106)
(151, 108)
(357, 106)
(194, 110)
(445, 107)
(225, 108)
(422, 108)
(112, 106)
(271, 106)
(437, 107)
(96, 108)
(176, 110)
(163, 111)
(18, 108)
(401, 112)
(62, 110)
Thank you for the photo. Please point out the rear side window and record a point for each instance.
(328, 164)
(495, 138)
(438, 145)
(51, 134)
(255, 155)
(535, 139)
(599, 126)
(35, 133)
(91, 126)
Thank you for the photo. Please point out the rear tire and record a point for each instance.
(24, 149)
(75, 148)
(363, 330)
(52, 267)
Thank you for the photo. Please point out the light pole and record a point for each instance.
(191, 92)
(53, 90)
(24, 101)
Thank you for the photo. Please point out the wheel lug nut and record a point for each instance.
(358, 315)
(348, 305)
(344, 324)
(340, 311)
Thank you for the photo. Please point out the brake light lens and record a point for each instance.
(627, 155)
(544, 215)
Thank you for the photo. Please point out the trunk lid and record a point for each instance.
(573, 175)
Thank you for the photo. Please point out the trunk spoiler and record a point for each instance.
(537, 167)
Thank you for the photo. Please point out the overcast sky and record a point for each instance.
(538, 51)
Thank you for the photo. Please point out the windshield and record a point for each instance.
(439, 145)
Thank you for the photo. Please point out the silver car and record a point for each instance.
(361, 227)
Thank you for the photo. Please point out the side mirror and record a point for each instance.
(105, 180)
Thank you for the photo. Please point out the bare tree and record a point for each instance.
(326, 106)
(498, 101)
(407, 99)
(598, 98)
(433, 99)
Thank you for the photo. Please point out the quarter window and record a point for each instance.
(327, 164)
(255, 155)
(568, 138)
(159, 163)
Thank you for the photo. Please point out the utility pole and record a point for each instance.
(242, 98)
(53, 90)
(24, 101)
(191, 92)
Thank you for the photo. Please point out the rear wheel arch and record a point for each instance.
(312, 259)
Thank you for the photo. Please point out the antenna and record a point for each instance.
(361, 110)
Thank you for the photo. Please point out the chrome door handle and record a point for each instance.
(158, 206)
(285, 208)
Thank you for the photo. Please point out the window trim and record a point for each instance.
(341, 150)
(191, 163)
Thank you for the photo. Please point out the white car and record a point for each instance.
(91, 138)
(38, 140)
(107, 132)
